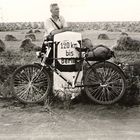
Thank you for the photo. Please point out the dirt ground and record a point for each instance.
(84, 121)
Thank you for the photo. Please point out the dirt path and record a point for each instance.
(84, 122)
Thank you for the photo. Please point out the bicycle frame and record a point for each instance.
(73, 83)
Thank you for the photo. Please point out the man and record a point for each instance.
(56, 24)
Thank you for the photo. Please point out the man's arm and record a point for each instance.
(56, 31)
(50, 29)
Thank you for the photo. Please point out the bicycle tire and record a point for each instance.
(31, 83)
(104, 83)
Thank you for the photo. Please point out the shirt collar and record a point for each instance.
(55, 19)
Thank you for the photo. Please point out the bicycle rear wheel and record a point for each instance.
(105, 83)
(31, 83)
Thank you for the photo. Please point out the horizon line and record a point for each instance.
(70, 21)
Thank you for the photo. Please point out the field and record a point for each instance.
(17, 57)
(85, 121)
(12, 57)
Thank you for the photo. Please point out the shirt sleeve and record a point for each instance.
(48, 27)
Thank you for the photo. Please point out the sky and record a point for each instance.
(72, 10)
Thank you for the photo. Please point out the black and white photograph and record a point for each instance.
(69, 70)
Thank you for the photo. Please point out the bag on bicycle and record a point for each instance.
(99, 53)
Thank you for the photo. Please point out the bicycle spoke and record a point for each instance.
(31, 84)
(108, 86)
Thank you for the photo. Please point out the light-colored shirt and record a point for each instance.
(50, 26)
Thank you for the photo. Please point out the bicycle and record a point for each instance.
(104, 82)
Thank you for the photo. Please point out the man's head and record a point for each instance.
(54, 9)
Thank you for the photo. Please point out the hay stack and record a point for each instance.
(103, 37)
(10, 38)
(37, 31)
(127, 43)
(86, 43)
(2, 46)
(31, 36)
(30, 31)
(124, 34)
(27, 45)
(37, 48)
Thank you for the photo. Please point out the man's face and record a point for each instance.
(55, 11)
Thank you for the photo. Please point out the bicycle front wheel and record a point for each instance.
(31, 83)
(105, 83)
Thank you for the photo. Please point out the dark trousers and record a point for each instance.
(49, 60)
